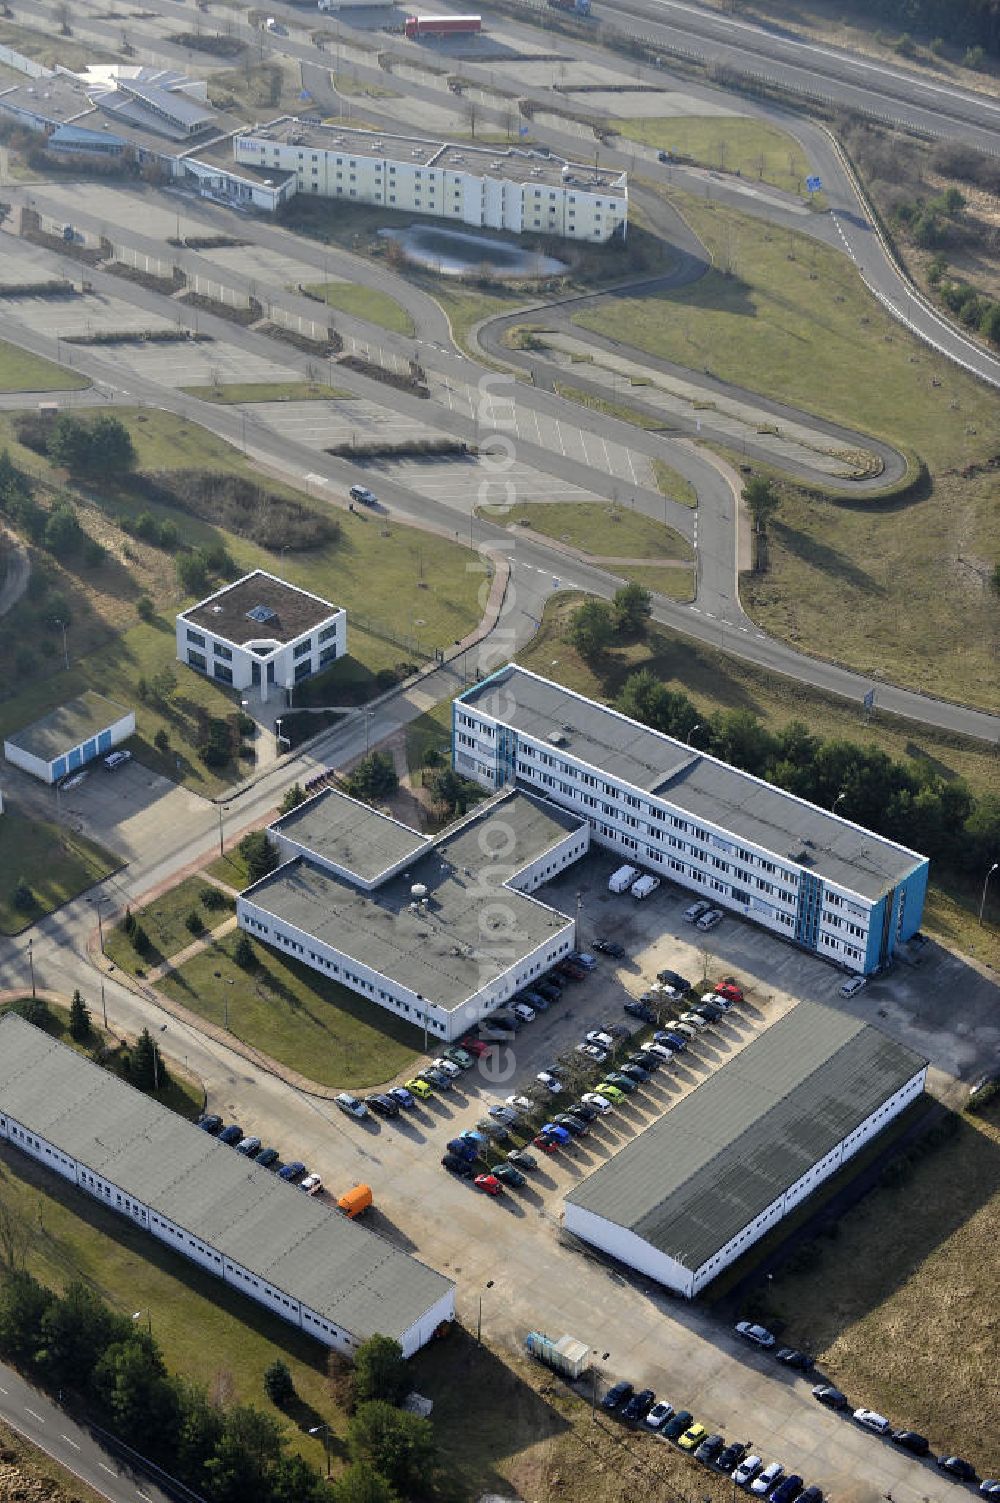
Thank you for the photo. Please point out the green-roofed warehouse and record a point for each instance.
(719, 1170)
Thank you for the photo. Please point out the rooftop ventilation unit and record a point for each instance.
(418, 890)
(261, 614)
(557, 738)
(216, 610)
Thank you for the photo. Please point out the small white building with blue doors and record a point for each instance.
(70, 737)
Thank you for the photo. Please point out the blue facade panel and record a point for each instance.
(58, 769)
(104, 742)
(506, 758)
(913, 907)
(90, 750)
(75, 759)
(808, 915)
(876, 924)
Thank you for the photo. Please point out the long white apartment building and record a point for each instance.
(491, 187)
(803, 872)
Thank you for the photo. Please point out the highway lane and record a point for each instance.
(75, 1446)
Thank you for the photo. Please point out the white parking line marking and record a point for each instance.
(70, 1442)
(107, 1469)
(38, 1417)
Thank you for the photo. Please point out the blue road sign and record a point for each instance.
(870, 700)
(814, 184)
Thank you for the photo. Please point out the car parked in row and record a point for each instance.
(267, 1158)
(639, 1009)
(658, 1415)
(457, 1165)
(610, 947)
(767, 1478)
(870, 1419)
(790, 1356)
(617, 1394)
(231, 1135)
(957, 1466)
(831, 1397)
(709, 920)
(382, 1104)
(350, 1104)
(755, 1334)
(210, 1123)
(293, 1171)
(747, 1470)
(677, 1424)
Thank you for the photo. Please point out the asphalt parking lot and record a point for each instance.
(511, 1250)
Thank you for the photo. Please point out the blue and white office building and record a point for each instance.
(805, 873)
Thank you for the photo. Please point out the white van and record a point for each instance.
(644, 887)
(622, 879)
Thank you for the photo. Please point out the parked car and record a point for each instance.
(464, 1148)
(716, 999)
(617, 1395)
(593, 1051)
(363, 494)
(710, 919)
(117, 759)
(538, 1001)
(508, 1175)
(521, 1158)
(583, 1110)
(475, 1047)
(768, 1478)
(634, 1072)
(351, 1105)
(709, 1449)
(792, 1357)
(747, 1470)
(694, 1020)
(729, 1456)
(990, 1487)
(621, 1082)
(674, 1041)
(756, 1335)
(231, 1135)
(292, 1171)
(384, 1103)
(312, 1184)
(556, 1131)
(519, 1103)
(658, 1415)
(525, 1013)
(267, 1158)
(677, 1424)
(437, 1078)
(211, 1123)
(571, 970)
(787, 1490)
(645, 1060)
(610, 947)
(477, 1139)
(638, 1406)
(455, 1164)
(248, 1146)
(661, 1052)
(549, 1081)
(609, 1091)
(599, 1037)
(810, 1495)
(640, 1010)
(460, 1057)
(692, 1437)
(957, 1466)
(403, 1096)
(505, 1114)
(694, 913)
(870, 1419)
(709, 1011)
(489, 1184)
(832, 1397)
(681, 1030)
(852, 985)
(420, 1089)
(549, 991)
(601, 1105)
(575, 1125)
(675, 979)
(729, 990)
(546, 1143)
(910, 1440)
(496, 1130)
(448, 1066)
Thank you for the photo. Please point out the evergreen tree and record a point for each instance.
(147, 1070)
(397, 1444)
(360, 1484)
(380, 1371)
(279, 1384)
(79, 1018)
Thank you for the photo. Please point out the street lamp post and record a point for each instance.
(65, 646)
(324, 1430)
(696, 727)
(842, 794)
(138, 1314)
(223, 808)
(479, 1322)
(31, 963)
(986, 883)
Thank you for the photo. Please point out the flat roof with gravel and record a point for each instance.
(311, 1253)
(73, 723)
(439, 949)
(715, 1161)
(259, 608)
(351, 835)
(788, 827)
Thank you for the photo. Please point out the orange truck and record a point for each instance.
(354, 1201)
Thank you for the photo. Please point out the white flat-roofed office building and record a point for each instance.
(803, 872)
(720, 1170)
(440, 933)
(261, 633)
(491, 187)
(300, 1259)
(70, 737)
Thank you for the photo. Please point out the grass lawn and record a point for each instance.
(619, 410)
(207, 1330)
(51, 49)
(753, 148)
(297, 1016)
(389, 577)
(465, 307)
(919, 1256)
(230, 868)
(676, 584)
(345, 83)
(673, 484)
(898, 589)
(597, 528)
(429, 732)
(231, 392)
(56, 863)
(365, 302)
(716, 681)
(22, 371)
(163, 920)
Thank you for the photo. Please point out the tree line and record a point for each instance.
(907, 802)
(112, 1365)
(964, 23)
